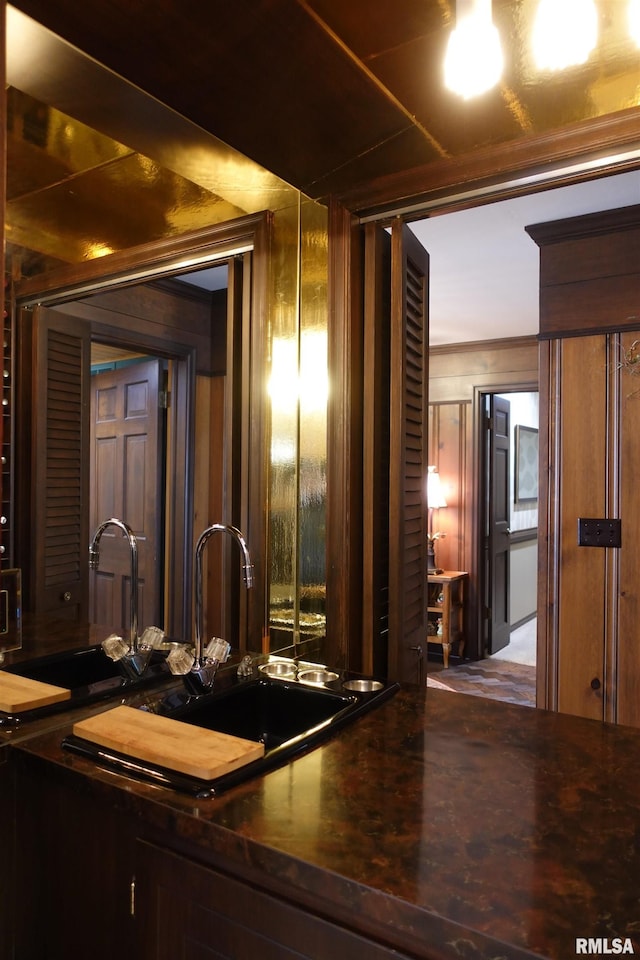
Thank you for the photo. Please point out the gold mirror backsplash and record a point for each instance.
(92, 187)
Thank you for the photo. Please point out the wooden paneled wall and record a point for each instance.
(458, 376)
(590, 462)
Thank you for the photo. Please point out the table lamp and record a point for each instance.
(435, 500)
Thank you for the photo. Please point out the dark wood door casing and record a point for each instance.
(357, 424)
(376, 438)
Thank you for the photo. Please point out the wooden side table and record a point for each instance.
(445, 610)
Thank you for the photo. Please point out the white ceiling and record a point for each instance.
(484, 267)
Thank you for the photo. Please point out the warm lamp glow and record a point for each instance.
(435, 493)
(634, 21)
(435, 500)
(473, 63)
(564, 33)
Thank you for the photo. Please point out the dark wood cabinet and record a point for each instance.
(184, 909)
(94, 880)
(72, 872)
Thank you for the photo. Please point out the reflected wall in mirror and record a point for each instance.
(116, 252)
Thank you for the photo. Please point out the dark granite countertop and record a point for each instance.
(473, 827)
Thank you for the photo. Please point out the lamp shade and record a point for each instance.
(435, 493)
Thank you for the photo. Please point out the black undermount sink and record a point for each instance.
(288, 716)
(87, 672)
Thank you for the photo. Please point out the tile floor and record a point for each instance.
(509, 676)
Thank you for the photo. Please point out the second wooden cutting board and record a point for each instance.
(20, 693)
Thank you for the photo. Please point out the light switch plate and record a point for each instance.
(599, 533)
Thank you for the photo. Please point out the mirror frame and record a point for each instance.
(226, 241)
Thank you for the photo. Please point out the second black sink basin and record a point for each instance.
(87, 672)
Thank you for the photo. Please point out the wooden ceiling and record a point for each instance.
(332, 97)
(333, 94)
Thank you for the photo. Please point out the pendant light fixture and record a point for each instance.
(473, 61)
(564, 33)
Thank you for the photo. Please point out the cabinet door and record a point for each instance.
(72, 872)
(189, 911)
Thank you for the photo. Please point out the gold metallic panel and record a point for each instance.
(121, 204)
(283, 397)
(314, 388)
(96, 166)
(46, 146)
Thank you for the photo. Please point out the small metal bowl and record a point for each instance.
(279, 668)
(317, 676)
(363, 686)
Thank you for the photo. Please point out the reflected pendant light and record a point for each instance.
(564, 33)
(473, 62)
(634, 21)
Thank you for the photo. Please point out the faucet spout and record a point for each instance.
(94, 560)
(199, 663)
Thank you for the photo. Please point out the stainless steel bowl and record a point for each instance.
(363, 686)
(279, 668)
(317, 676)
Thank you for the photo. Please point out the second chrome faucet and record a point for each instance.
(133, 657)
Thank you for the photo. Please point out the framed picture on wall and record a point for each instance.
(526, 464)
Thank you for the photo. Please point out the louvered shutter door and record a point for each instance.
(60, 529)
(408, 453)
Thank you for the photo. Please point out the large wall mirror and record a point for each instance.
(165, 252)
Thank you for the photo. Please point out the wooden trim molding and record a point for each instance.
(344, 455)
(582, 151)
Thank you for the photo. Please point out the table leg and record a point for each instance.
(446, 649)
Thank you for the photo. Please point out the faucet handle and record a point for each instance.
(153, 638)
(217, 650)
(115, 647)
(180, 659)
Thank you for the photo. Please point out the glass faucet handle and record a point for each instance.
(115, 646)
(180, 659)
(153, 638)
(217, 650)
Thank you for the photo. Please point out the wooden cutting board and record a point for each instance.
(179, 746)
(20, 693)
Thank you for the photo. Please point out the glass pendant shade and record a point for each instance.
(564, 33)
(474, 61)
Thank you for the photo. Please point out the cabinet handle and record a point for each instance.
(66, 596)
(595, 684)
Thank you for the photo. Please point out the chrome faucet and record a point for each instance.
(203, 670)
(134, 660)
